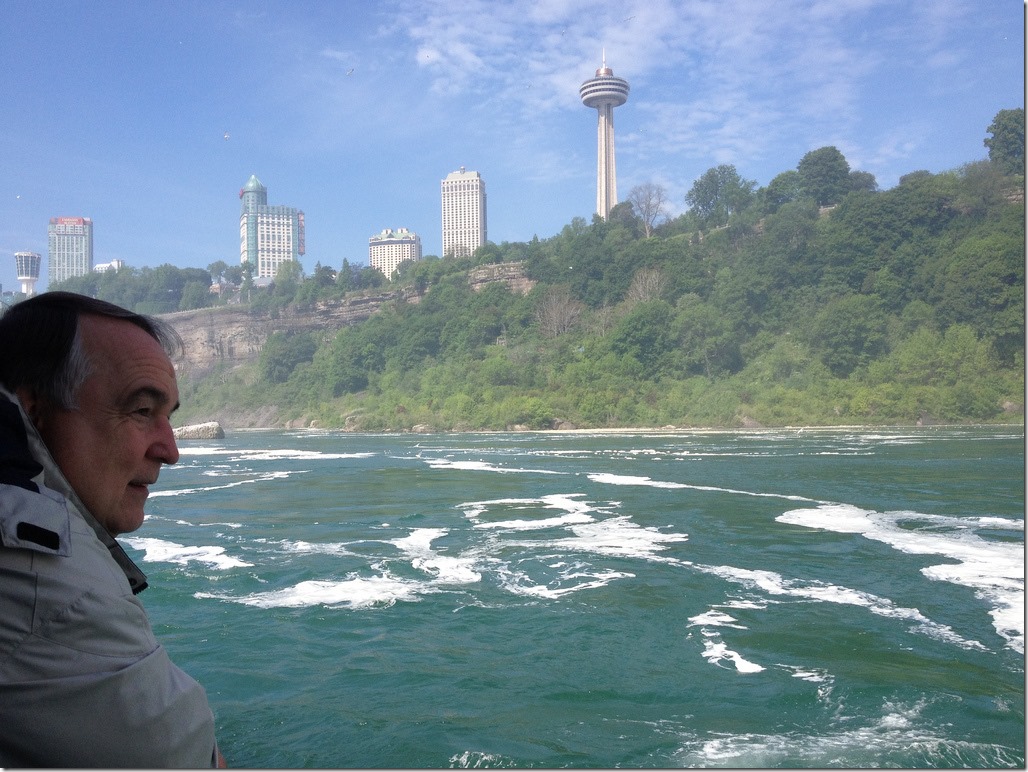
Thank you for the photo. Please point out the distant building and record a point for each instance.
(27, 264)
(70, 242)
(390, 248)
(464, 220)
(268, 235)
(114, 265)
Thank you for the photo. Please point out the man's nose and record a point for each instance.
(164, 447)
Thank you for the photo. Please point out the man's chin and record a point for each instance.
(125, 522)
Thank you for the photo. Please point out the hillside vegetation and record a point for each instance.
(818, 300)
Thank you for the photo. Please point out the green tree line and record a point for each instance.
(816, 300)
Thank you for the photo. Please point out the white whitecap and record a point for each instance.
(281, 475)
(161, 551)
(775, 584)
(993, 569)
(715, 618)
(621, 479)
(277, 454)
(445, 569)
(482, 466)
(716, 653)
(357, 592)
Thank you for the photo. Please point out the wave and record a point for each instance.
(899, 736)
(993, 569)
(621, 479)
(268, 454)
(161, 551)
(775, 584)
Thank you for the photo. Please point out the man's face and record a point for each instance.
(112, 446)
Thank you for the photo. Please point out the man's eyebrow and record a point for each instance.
(159, 396)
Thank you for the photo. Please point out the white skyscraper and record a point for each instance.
(605, 92)
(464, 222)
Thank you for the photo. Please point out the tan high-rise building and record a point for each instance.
(390, 248)
(464, 222)
(70, 242)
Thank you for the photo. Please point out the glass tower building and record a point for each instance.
(268, 235)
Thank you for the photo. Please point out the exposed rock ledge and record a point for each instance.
(209, 431)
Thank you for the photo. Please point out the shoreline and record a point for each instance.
(670, 430)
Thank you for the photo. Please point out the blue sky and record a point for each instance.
(149, 116)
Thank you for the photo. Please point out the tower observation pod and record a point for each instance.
(27, 264)
(605, 92)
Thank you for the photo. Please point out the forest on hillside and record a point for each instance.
(817, 300)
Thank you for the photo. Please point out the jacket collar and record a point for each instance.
(25, 462)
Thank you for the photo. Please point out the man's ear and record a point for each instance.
(31, 404)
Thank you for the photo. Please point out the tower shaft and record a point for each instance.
(606, 170)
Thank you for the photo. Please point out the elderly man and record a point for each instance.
(88, 389)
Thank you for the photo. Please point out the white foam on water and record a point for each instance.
(993, 569)
(621, 479)
(624, 479)
(534, 525)
(618, 537)
(277, 454)
(161, 551)
(519, 584)
(715, 618)
(208, 488)
(207, 525)
(355, 592)
(717, 653)
(900, 732)
(483, 466)
(777, 585)
(444, 569)
(575, 511)
(316, 548)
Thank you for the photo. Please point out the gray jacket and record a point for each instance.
(83, 681)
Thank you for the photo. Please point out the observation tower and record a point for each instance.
(605, 92)
(27, 264)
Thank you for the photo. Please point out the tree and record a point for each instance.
(557, 312)
(783, 189)
(649, 202)
(647, 284)
(718, 194)
(824, 175)
(1006, 146)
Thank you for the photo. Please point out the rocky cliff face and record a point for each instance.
(232, 335)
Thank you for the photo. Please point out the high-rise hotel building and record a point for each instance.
(390, 248)
(70, 243)
(268, 235)
(464, 226)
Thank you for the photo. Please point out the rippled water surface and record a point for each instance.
(788, 598)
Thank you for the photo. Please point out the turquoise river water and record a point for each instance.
(819, 598)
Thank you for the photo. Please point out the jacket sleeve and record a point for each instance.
(147, 715)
